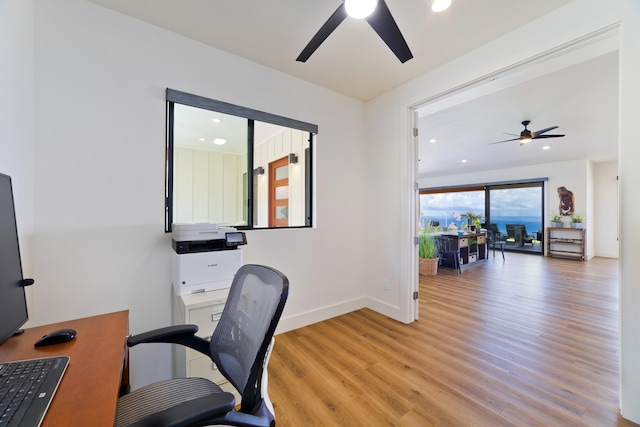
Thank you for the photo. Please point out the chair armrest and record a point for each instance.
(178, 334)
(190, 412)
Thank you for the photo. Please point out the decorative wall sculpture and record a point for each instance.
(566, 201)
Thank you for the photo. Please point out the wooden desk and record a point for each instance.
(88, 392)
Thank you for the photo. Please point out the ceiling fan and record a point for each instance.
(380, 20)
(526, 135)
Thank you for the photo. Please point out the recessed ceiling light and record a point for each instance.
(440, 5)
(201, 139)
(433, 141)
(216, 120)
(546, 147)
(464, 161)
(219, 141)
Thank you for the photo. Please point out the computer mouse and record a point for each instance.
(56, 337)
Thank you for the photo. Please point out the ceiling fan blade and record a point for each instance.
(506, 140)
(327, 28)
(543, 131)
(383, 23)
(547, 136)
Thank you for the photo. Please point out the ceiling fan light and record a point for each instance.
(360, 8)
(440, 5)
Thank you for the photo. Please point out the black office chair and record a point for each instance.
(449, 252)
(240, 347)
(495, 238)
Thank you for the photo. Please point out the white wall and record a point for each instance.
(629, 174)
(605, 210)
(100, 80)
(387, 132)
(208, 186)
(16, 113)
(16, 117)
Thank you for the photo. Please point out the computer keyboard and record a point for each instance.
(27, 388)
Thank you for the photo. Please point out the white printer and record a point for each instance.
(205, 257)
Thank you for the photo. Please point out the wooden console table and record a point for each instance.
(89, 390)
(567, 242)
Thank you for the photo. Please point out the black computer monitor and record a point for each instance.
(13, 303)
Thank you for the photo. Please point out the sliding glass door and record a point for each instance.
(514, 209)
(517, 211)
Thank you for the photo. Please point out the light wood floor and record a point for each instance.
(531, 341)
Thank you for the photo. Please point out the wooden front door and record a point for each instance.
(279, 193)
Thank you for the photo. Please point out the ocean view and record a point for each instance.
(531, 223)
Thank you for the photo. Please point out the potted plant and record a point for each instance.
(428, 251)
(576, 221)
(556, 221)
(473, 220)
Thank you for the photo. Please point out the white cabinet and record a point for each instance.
(204, 310)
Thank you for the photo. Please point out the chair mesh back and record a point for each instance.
(252, 311)
(445, 245)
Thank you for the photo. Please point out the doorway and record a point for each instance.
(467, 158)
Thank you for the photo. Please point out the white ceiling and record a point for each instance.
(578, 93)
(353, 60)
(196, 128)
(580, 98)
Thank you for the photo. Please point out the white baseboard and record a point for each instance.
(290, 323)
(606, 255)
(388, 310)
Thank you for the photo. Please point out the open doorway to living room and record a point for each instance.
(511, 212)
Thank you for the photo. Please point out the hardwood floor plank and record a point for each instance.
(530, 341)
